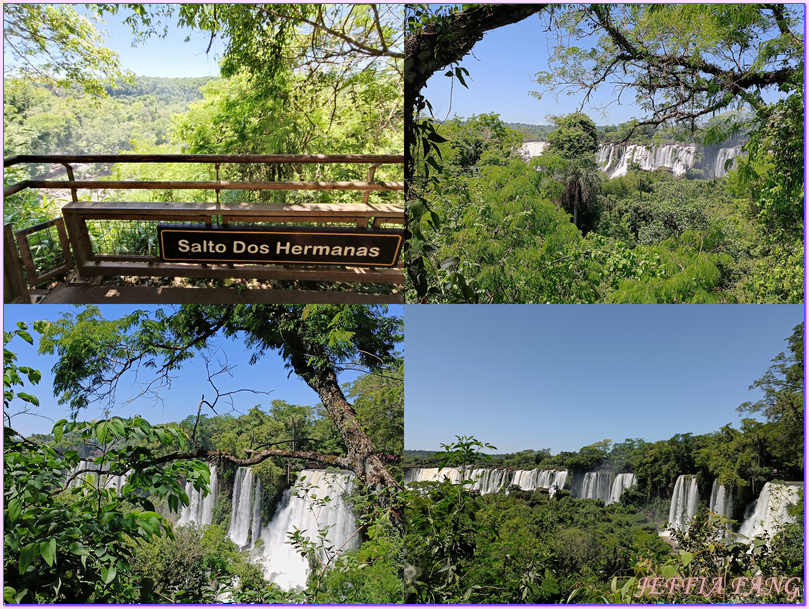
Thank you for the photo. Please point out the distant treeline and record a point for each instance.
(167, 90)
(645, 134)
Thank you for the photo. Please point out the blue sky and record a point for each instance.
(562, 377)
(502, 67)
(501, 75)
(169, 57)
(184, 396)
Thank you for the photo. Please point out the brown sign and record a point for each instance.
(280, 245)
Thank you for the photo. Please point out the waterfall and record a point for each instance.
(489, 480)
(314, 503)
(200, 509)
(530, 480)
(619, 485)
(724, 155)
(721, 500)
(246, 508)
(770, 510)
(91, 478)
(684, 502)
(531, 149)
(255, 529)
(559, 481)
(432, 474)
(615, 159)
(596, 485)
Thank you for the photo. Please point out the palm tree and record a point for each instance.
(573, 182)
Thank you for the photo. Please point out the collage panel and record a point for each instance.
(594, 454)
(606, 153)
(203, 454)
(216, 153)
(203, 230)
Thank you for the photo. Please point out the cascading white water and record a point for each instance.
(314, 503)
(596, 485)
(684, 502)
(559, 481)
(531, 149)
(615, 160)
(530, 480)
(721, 500)
(619, 485)
(92, 479)
(770, 511)
(724, 155)
(246, 508)
(255, 529)
(432, 474)
(200, 509)
(487, 481)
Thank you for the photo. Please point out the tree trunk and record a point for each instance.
(365, 462)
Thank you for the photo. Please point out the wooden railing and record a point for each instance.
(90, 262)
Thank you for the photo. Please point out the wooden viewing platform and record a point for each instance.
(84, 225)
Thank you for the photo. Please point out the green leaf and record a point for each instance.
(47, 549)
(58, 429)
(686, 557)
(100, 431)
(8, 594)
(107, 575)
(29, 398)
(116, 427)
(14, 508)
(26, 555)
(77, 548)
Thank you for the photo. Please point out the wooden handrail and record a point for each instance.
(373, 159)
(200, 185)
(203, 158)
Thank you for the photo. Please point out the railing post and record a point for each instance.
(74, 193)
(15, 288)
(79, 238)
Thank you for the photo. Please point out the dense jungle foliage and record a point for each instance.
(529, 547)
(490, 228)
(509, 231)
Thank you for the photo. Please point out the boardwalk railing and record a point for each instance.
(110, 238)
